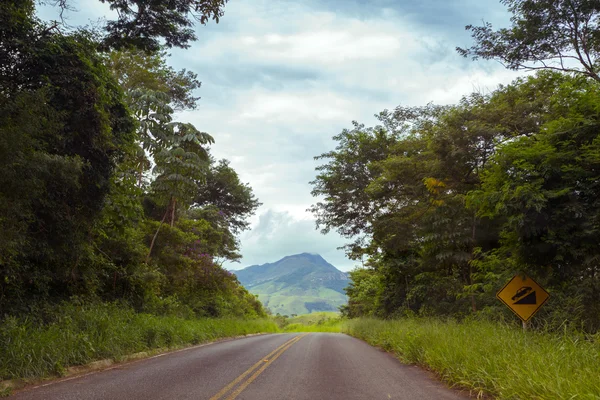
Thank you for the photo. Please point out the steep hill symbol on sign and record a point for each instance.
(525, 296)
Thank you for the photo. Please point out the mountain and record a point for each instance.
(297, 284)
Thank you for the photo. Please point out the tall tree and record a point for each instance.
(562, 35)
(544, 189)
(149, 24)
(65, 128)
(225, 194)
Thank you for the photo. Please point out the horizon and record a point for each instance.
(290, 255)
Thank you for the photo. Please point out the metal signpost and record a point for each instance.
(523, 296)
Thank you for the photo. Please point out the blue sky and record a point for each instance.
(280, 78)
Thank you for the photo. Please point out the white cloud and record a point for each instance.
(279, 234)
(281, 78)
(277, 88)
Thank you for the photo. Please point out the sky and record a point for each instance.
(280, 78)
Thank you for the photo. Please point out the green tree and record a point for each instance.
(140, 71)
(147, 24)
(544, 189)
(562, 35)
(65, 128)
(225, 194)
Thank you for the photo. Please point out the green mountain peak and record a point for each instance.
(296, 284)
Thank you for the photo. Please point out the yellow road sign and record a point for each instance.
(523, 296)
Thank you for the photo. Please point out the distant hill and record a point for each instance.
(298, 284)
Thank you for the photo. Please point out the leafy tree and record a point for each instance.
(64, 127)
(181, 164)
(544, 189)
(561, 35)
(140, 72)
(364, 293)
(79, 133)
(342, 181)
(144, 24)
(441, 239)
(223, 192)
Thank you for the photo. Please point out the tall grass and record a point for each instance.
(314, 322)
(490, 358)
(81, 334)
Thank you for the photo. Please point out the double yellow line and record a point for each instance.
(265, 362)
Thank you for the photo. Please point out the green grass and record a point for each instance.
(324, 321)
(81, 334)
(489, 358)
(288, 300)
(314, 318)
(485, 357)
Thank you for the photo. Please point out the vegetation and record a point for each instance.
(77, 334)
(315, 322)
(482, 356)
(560, 35)
(297, 284)
(122, 202)
(114, 217)
(446, 203)
(491, 358)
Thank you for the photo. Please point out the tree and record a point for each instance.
(139, 71)
(342, 181)
(364, 294)
(426, 240)
(181, 163)
(544, 190)
(562, 35)
(231, 199)
(79, 133)
(143, 24)
(64, 128)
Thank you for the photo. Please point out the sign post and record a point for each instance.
(523, 296)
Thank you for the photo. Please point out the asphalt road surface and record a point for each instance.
(311, 366)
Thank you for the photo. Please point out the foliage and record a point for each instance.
(561, 35)
(466, 196)
(233, 200)
(490, 358)
(75, 334)
(138, 70)
(65, 128)
(94, 162)
(147, 24)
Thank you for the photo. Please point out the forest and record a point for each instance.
(104, 196)
(445, 203)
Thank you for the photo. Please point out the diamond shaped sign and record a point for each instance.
(523, 296)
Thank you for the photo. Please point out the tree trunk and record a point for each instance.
(155, 235)
(173, 204)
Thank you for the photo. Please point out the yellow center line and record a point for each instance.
(252, 368)
(244, 385)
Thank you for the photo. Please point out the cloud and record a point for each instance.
(281, 78)
(276, 88)
(279, 234)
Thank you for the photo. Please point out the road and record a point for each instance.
(266, 367)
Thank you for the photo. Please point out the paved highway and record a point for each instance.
(286, 366)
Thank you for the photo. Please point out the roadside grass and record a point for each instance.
(314, 318)
(82, 334)
(490, 358)
(315, 322)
